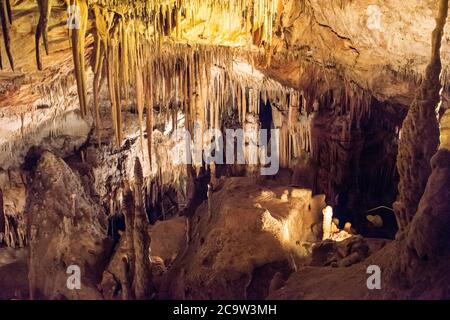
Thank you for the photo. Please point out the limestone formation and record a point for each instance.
(142, 283)
(59, 237)
(119, 180)
(236, 252)
(327, 222)
(420, 131)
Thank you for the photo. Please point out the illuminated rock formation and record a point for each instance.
(251, 234)
(327, 222)
(107, 115)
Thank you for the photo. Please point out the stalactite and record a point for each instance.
(45, 7)
(140, 104)
(78, 52)
(149, 117)
(96, 89)
(415, 147)
(100, 37)
(113, 69)
(5, 20)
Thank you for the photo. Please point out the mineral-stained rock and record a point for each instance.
(429, 231)
(66, 228)
(256, 230)
(168, 239)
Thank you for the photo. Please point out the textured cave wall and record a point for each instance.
(32, 100)
(415, 147)
(65, 227)
(342, 36)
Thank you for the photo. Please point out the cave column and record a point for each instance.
(420, 132)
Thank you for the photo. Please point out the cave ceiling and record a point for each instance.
(380, 47)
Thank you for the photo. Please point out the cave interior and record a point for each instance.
(233, 149)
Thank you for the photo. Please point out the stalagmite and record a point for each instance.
(126, 285)
(129, 259)
(327, 222)
(142, 283)
(210, 200)
(129, 211)
(415, 147)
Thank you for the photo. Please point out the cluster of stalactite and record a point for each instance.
(118, 23)
(349, 106)
(122, 28)
(207, 84)
(12, 232)
(199, 82)
(168, 16)
(136, 55)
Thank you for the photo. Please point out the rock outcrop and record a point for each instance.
(255, 229)
(415, 267)
(65, 228)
